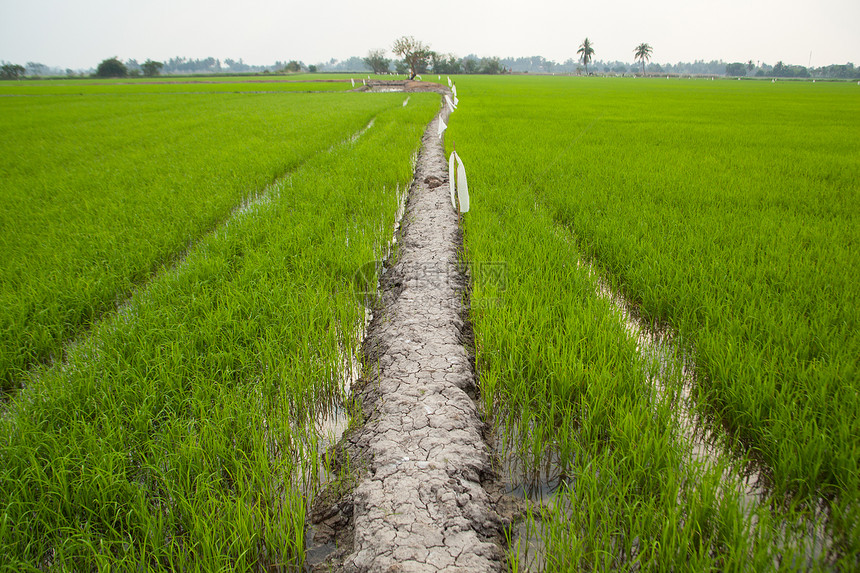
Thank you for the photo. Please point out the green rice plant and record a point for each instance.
(719, 211)
(180, 434)
(99, 192)
(163, 85)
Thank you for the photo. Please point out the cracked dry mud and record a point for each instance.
(419, 504)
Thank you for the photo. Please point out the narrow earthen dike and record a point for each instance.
(419, 504)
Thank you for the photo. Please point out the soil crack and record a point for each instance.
(419, 504)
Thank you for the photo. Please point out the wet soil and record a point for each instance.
(420, 493)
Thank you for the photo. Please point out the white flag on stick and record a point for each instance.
(449, 81)
(442, 127)
(454, 89)
(456, 101)
(457, 183)
(353, 82)
(450, 103)
(462, 187)
(452, 175)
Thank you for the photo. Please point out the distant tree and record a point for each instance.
(151, 68)
(586, 52)
(12, 71)
(416, 55)
(471, 65)
(312, 69)
(779, 70)
(293, 66)
(750, 66)
(36, 69)
(642, 53)
(111, 68)
(445, 63)
(736, 69)
(491, 66)
(377, 61)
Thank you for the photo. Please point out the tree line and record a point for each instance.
(413, 57)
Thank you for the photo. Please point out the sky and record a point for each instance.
(78, 34)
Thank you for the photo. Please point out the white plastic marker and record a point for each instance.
(452, 174)
(442, 127)
(438, 77)
(456, 101)
(353, 82)
(406, 101)
(449, 81)
(364, 83)
(454, 90)
(450, 103)
(460, 187)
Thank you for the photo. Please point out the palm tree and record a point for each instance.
(642, 53)
(585, 51)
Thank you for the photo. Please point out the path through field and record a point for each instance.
(419, 504)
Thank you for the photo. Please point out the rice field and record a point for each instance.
(181, 430)
(99, 192)
(177, 308)
(726, 214)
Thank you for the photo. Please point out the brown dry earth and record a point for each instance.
(419, 504)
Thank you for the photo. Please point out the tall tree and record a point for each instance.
(643, 52)
(586, 52)
(416, 55)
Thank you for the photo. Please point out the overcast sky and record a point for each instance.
(80, 33)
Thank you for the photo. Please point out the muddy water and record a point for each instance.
(672, 375)
(671, 371)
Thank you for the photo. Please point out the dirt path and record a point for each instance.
(419, 504)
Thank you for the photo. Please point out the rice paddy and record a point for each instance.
(176, 276)
(179, 432)
(726, 214)
(100, 191)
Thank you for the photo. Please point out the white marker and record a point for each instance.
(449, 81)
(450, 103)
(406, 101)
(462, 187)
(353, 82)
(442, 127)
(454, 90)
(457, 183)
(452, 174)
